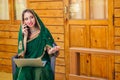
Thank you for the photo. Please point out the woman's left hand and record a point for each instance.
(54, 49)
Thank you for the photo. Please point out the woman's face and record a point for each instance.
(29, 19)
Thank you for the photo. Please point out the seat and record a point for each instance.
(53, 60)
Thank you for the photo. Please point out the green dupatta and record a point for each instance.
(36, 47)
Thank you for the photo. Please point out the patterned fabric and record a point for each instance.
(36, 48)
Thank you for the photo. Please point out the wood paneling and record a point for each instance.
(6, 34)
(116, 3)
(53, 21)
(45, 0)
(117, 40)
(99, 63)
(61, 44)
(5, 68)
(9, 41)
(117, 67)
(60, 76)
(60, 69)
(61, 54)
(117, 21)
(117, 12)
(58, 37)
(117, 76)
(77, 36)
(60, 61)
(99, 37)
(117, 31)
(8, 48)
(76, 77)
(5, 62)
(6, 55)
(50, 13)
(44, 5)
(56, 29)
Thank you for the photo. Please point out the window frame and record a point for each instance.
(12, 20)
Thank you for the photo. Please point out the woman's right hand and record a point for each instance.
(25, 30)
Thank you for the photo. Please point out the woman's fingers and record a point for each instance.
(54, 49)
(25, 29)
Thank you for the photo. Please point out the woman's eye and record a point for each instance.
(31, 16)
(26, 19)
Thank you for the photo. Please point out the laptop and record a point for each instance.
(32, 62)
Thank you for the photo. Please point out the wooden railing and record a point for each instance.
(92, 64)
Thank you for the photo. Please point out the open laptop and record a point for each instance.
(22, 62)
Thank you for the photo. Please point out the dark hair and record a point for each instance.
(36, 25)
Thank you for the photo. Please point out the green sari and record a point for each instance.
(36, 48)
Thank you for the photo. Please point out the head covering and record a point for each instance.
(38, 44)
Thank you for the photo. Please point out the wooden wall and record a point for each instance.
(117, 37)
(53, 17)
(8, 45)
(51, 13)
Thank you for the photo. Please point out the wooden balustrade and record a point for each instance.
(92, 64)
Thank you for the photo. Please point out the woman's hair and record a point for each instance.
(36, 25)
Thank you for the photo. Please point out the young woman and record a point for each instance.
(34, 41)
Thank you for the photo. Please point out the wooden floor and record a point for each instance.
(5, 76)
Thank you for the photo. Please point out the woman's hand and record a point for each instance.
(21, 55)
(54, 49)
(25, 30)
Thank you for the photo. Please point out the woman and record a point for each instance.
(35, 41)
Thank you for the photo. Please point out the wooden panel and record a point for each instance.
(117, 31)
(117, 12)
(58, 37)
(117, 67)
(100, 62)
(99, 65)
(56, 29)
(50, 13)
(61, 54)
(14, 27)
(5, 62)
(9, 27)
(9, 41)
(4, 27)
(6, 34)
(74, 69)
(117, 41)
(88, 22)
(8, 48)
(53, 21)
(60, 69)
(6, 55)
(116, 3)
(98, 40)
(85, 64)
(44, 5)
(59, 76)
(117, 76)
(117, 59)
(60, 61)
(76, 77)
(61, 44)
(117, 47)
(77, 36)
(5, 68)
(117, 21)
(45, 0)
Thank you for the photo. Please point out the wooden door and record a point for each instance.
(89, 25)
